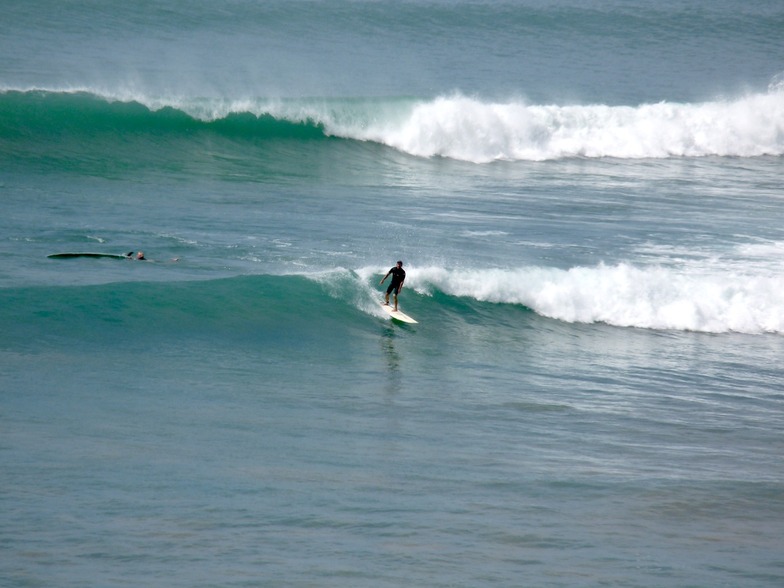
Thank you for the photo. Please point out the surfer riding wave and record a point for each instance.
(398, 277)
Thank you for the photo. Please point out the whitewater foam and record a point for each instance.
(473, 130)
(654, 297)
(478, 131)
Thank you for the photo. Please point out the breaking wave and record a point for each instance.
(456, 127)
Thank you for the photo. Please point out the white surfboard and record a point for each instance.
(397, 315)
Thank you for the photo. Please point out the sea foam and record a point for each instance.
(478, 131)
(653, 297)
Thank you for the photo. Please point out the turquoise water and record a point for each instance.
(587, 199)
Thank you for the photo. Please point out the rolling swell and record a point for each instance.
(284, 309)
(48, 115)
(91, 134)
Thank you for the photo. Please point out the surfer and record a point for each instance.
(398, 277)
(141, 257)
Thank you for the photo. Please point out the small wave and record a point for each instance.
(709, 300)
(237, 307)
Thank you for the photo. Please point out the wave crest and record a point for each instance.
(456, 127)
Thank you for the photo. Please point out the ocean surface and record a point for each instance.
(588, 198)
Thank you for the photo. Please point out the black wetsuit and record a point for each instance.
(398, 275)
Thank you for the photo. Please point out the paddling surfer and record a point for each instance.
(398, 277)
(141, 257)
